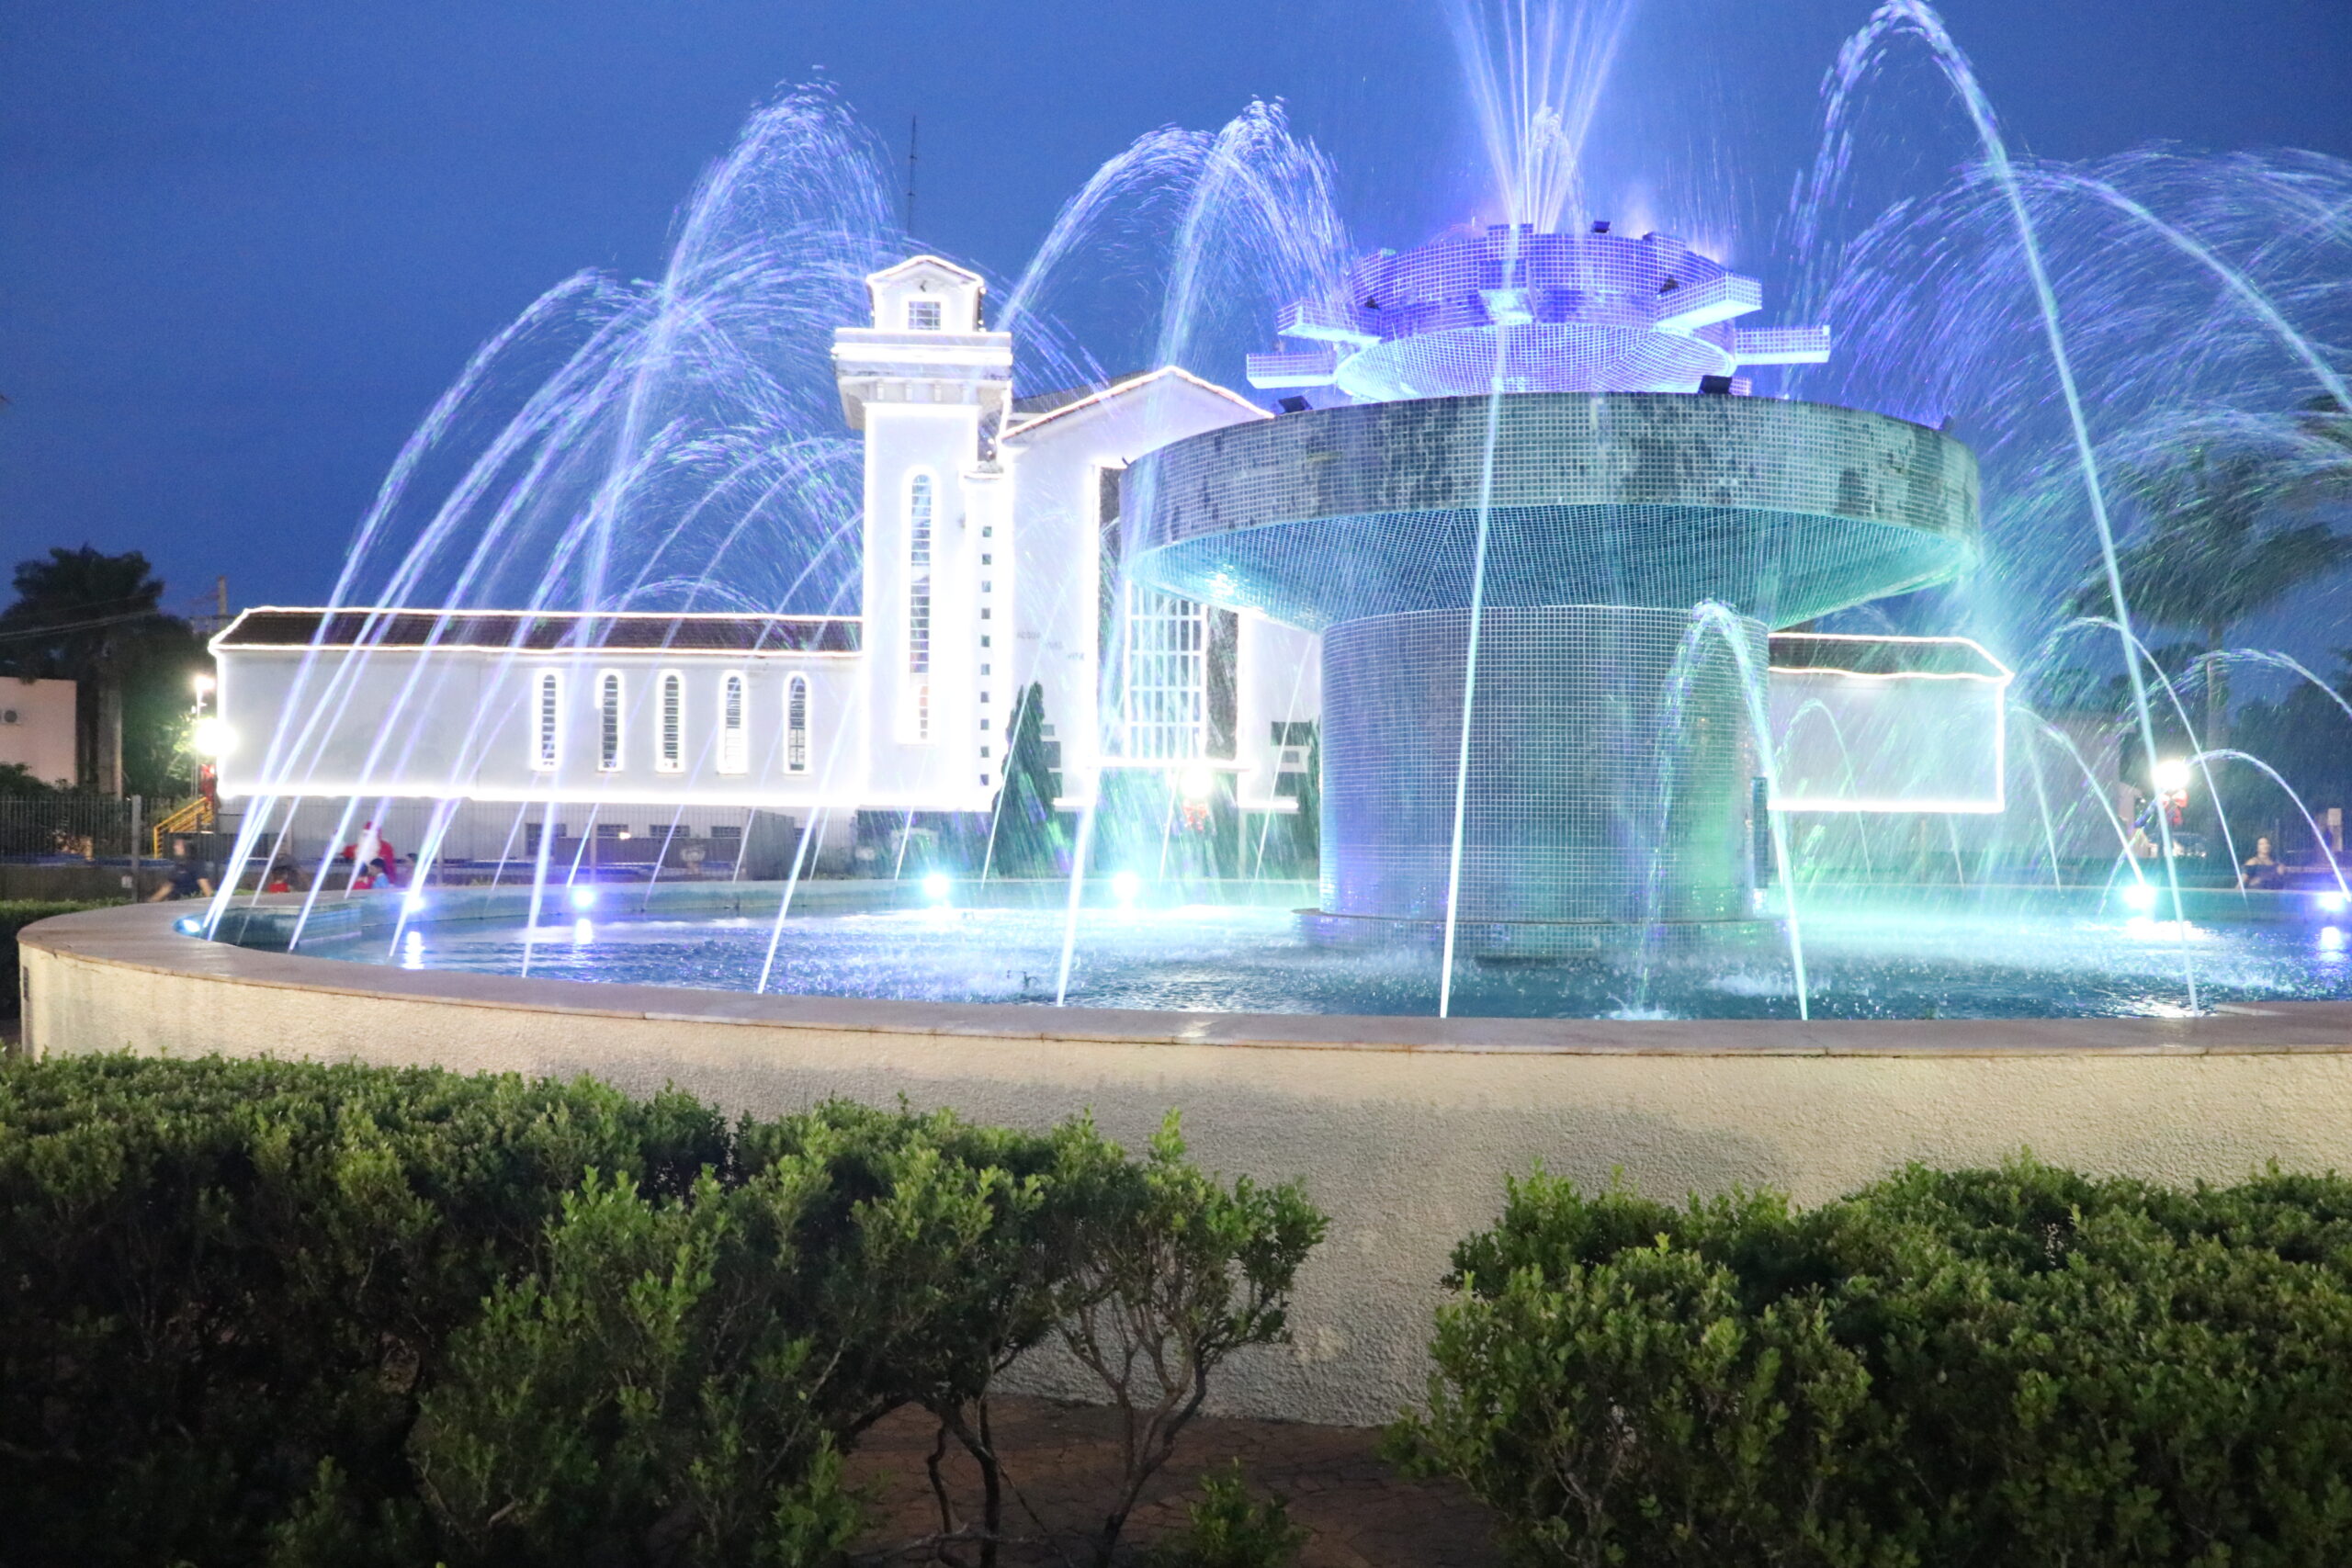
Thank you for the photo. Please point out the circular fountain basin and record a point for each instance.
(1402, 1126)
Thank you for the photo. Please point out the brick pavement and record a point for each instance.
(1064, 1458)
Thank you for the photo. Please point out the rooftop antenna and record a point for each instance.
(914, 128)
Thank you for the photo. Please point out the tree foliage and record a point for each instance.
(97, 620)
(2216, 550)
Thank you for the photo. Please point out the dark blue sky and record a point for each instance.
(244, 245)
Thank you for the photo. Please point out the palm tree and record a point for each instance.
(2213, 555)
(80, 616)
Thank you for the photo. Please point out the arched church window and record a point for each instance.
(608, 721)
(734, 745)
(547, 718)
(795, 725)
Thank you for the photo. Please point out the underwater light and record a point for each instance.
(2331, 939)
(414, 901)
(189, 925)
(937, 886)
(1124, 886)
(2139, 896)
(2171, 776)
(584, 897)
(2333, 902)
(583, 930)
(1198, 782)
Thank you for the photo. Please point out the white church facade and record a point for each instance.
(989, 580)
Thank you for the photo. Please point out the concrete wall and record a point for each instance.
(1402, 1128)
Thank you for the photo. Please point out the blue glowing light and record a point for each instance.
(415, 902)
(189, 925)
(2331, 939)
(584, 897)
(2333, 902)
(1124, 886)
(2139, 896)
(937, 886)
(583, 931)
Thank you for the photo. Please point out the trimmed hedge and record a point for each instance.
(2022, 1366)
(254, 1312)
(15, 914)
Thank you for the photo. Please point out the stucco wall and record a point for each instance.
(36, 729)
(1402, 1127)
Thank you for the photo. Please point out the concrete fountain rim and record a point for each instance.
(142, 938)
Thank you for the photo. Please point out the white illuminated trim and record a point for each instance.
(919, 263)
(222, 639)
(1967, 642)
(2001, 680)
(746, 796)
(536, 655)
(866, 351)
(1135, 383)
(1892, 805)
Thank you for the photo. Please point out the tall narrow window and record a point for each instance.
(672, 755)
(608, 722)
(919, 510)
(922, 315)
(795, 725)
(734, 746)
(546, 716)
(1165, 654)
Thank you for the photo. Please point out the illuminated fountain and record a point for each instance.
(1548, 463)
(837, 573)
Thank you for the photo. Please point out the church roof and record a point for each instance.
(541, 630)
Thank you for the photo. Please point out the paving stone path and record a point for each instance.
(1064, 1458)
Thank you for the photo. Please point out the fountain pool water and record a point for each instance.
(2072, 955)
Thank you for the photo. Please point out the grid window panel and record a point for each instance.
(1166, 663)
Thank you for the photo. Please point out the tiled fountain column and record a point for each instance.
(1609, 777)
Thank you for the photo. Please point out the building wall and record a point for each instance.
(36, 729)
(1062, 467)
(460, 724)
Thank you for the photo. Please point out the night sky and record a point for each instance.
(244, 245)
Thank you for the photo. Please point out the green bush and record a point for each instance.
(2021, 1366)
(269, 1313)
(15, 914)
(1230, 1528)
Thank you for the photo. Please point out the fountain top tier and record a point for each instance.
(1542, 312)
(1782, 510)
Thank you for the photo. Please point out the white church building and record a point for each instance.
(990, 571)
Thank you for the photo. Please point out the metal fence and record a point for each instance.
(74, 828)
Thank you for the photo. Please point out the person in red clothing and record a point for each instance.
(370, 847)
